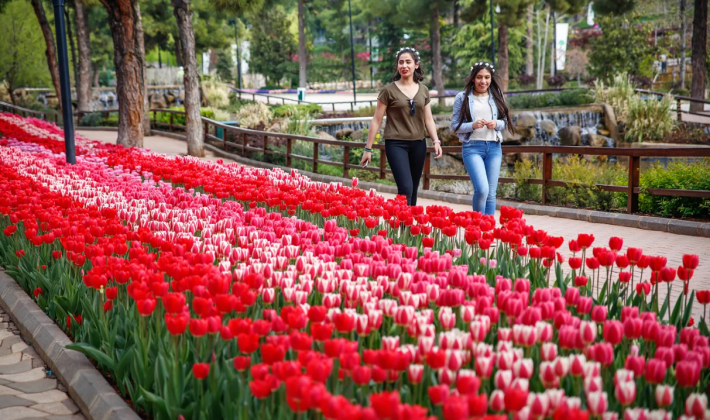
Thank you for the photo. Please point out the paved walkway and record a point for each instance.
(26, 390)
(653, 243)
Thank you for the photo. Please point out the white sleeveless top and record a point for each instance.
(482, 110)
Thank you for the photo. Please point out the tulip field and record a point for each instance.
(205, 290)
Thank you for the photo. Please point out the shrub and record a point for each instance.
(617, 93)
(526, 79)
(569, 97)
(313, 110)
(254, 115)
(680, 175)
(95, 119)
(650, 119)
(524, 190)
(215, 92)
(179, 119)
(557, 80)
(437, 109)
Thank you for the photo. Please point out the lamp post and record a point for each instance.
(493, 38)
(59, 27)
(352, 50)
(239, 58)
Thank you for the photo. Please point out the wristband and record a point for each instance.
(368, 150)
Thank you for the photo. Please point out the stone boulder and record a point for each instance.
(358, 135)
(447, 136)
(570, 135)
(610, 123)
(279, 125)
(597, 140)
(344, 133)
(157, 101)
(325, 136)
(526, 120)
(548, 127)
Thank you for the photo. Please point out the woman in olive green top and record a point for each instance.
(409, 119)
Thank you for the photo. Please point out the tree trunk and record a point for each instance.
(699, 48)
(141, 51)
(178, 53)
(683, 47)
(72, 48)
(302, 59)
(529, 67)
(541, 67)
(502, 69)
(96, 73)
(193, 122)
(83, 86)
(436, 55)
(51, 51)
(124, 21)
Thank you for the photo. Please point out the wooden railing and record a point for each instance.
(244, 141)
(679, 101)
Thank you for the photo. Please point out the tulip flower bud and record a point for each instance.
(664, 395)
(597, 402)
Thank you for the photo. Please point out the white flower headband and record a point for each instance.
(484, 64)
(409, 50)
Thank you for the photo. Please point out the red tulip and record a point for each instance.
(477, 405)
(198, 327)
(467, 384)
(415, 373)
(657, 263)
(632, 328)
(319, 369)
(703, 296)
(584, 240)
(635, 364)
(613, 332)
(668, 274)
(455, 408)
(690, 262)
(177, 323)
(643, 288)
(146, 306)
(615, 243)
(385, 403)
(515, 399)
(687, 373)
(581, 281)
(599, 313)
(592, 263)
(321, 332)
(655, 371)
(241, 363)
(575, 263)
(271, 353)
(574, 246)
(201, 370)
(260, 389)
(438, 394)
(247, 343)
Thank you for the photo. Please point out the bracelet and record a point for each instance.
(368, 150)
(436, 142)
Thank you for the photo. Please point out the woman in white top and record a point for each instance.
(480, 115)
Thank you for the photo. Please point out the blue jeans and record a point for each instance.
(482, 160)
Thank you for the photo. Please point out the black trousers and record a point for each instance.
(406, 158)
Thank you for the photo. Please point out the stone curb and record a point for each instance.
(96, 399)
(660, 224)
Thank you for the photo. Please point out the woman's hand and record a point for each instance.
(437, 150)
(366, 158)
(491, 124)
(479, 124)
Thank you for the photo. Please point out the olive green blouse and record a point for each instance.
(401, 125)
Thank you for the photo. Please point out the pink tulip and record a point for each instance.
(696, 405)
(524, 368)
(539, 404)
(597, 402)
(664, 395)
(548, 351)
(497, 401)
(625, 392)
(503, 379)
(587, 332)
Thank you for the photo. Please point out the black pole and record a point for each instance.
(493, 39)
(239, 58)
(554, 41)
(352, 50)
(369, 40)
(63, 63)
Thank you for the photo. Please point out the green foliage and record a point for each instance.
(254, 115)
(571, 97)
(524, 190)
(649, 119)
(617, 93)
(179, 119)
(22, 59)
(224, 67)
(313, 110)
(272, 46)
(216, 92)
(582, 175)
(623, 47)
(680, 175)
(613, 7)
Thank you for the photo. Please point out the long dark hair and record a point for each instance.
(494, 90)
(418, 75)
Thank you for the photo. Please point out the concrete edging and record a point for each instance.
(660, 224)
(94, 396)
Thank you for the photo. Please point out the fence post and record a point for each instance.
(171, 121)
(207, 130)
(346, 160)
(678, 110)
(632, 201)
(352, 106)
(155, 119)
(333, 106)
(288, 151)
(546, 174)
(264, 139)
(383, 163)
(427, 169)
(315, 158)
(225, 134)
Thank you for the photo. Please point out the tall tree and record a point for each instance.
(129, 58)
(699, 48)
(51, 51)
(83, 87)
(613, 7)
(193, 122)
(272, 45)
(302, 58)
(683, 46)
(529, 70)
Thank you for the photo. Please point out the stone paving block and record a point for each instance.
(5, 334)
(9, 342)
(4, 382)
(18, 347)
(10, 359)
(704, 230)
(4, 390)
(16, 368)
(50, 340)
(5, 352)
(601, 217)
(17, 413)
(547, 211)
(72, 417)
(37, 362)
(51, 396)
(654, 223)
(62, 408)
(87, 387)
(40, 385)
(28, 376)
(567, 213)
(683, 227)
(69, 363)
(13, 401)
(583, 215)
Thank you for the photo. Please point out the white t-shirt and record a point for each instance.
(482, 110)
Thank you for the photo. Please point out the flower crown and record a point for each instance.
(409, 50)
(484, 64)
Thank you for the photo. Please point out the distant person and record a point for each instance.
(409, 119)
(664, 63)
(480, 115)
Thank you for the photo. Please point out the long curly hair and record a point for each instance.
(418, 75)
(494, 90)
